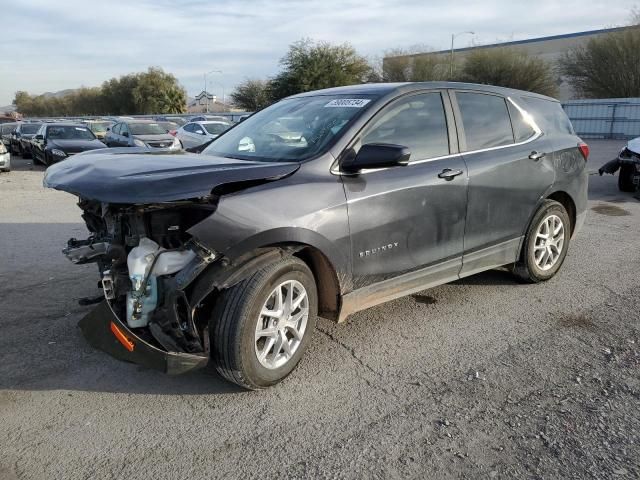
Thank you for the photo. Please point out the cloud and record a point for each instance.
(49, 46)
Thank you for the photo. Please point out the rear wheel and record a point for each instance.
(625, 179)
(261, 327)
(545, 245)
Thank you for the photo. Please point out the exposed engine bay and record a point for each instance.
(147, 262)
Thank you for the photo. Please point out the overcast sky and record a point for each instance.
(54, 45)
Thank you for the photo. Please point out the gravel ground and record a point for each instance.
(482, 378)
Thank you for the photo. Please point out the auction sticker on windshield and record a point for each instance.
(348, 102)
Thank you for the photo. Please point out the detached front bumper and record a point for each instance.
(103, 330)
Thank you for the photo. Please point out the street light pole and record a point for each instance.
(223, 98)
(205, 88)
(453, 37)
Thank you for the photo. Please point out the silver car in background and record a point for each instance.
(194, 134)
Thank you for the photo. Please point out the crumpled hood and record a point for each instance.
(154, 177)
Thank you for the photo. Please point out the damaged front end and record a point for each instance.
(158, 280)
(147, 263)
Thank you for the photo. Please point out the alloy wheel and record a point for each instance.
(281, 324)
(549, 242)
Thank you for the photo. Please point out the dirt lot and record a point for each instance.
(482, 378)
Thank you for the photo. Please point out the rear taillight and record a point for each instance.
(173, 132)
(584, 150)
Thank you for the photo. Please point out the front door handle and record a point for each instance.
(449, 174)
(536, 155)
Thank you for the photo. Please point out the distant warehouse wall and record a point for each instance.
(617, 118)
(550, 49)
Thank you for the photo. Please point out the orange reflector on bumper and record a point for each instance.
(122, 338)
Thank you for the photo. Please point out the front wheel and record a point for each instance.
(261, 327)
(545, 244)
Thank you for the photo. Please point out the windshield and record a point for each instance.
(99, 127)
(179, 120)
(292, 129)
(168, 126)
(69, 132)
(216, 128)
(31, 128)
(146, 129)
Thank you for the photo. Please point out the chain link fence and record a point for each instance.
(611, 118)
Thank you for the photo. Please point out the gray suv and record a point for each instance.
(140, 133)
(322, 204)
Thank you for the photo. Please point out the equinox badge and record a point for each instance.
(375, 251)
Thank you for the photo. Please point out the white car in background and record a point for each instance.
(5, 159)
(194, 134)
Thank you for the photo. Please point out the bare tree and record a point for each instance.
(506, 67)
(413, 64)
(606, 67)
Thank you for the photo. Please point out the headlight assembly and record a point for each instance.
(58, 153)
(139, 143)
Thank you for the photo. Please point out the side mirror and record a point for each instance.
(39, 137)
(108, 129)
(125, 134)
(199, 132)
(377, 155)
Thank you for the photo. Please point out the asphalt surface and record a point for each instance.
(482, 378)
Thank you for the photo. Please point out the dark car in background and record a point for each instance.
(323, 204)
(21, 138)
(141, 133)
(57, 141)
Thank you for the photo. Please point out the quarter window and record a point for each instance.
(485, 119)
(417, 122)
(549, 115)
(521, 129)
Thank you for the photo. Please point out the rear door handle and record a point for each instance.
(536, 155)
(449, 174)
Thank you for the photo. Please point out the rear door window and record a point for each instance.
(417, 122)
(485, 119)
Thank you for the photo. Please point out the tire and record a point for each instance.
(532, 267)
(235, 318)
(625, 179)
